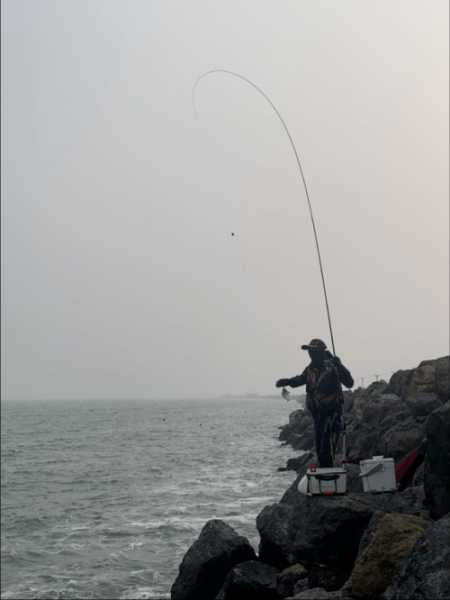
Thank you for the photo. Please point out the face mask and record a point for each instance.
(316, 356)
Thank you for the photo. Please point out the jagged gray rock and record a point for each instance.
(207, 562)
(251, 580)
(388, 539)
(313, 529)
(425, 574)
(437, 462)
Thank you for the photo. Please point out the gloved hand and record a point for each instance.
(282, 383)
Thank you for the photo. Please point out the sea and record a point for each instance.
(102, 499)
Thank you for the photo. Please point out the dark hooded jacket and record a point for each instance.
(323, 384)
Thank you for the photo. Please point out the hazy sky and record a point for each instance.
(120, 275)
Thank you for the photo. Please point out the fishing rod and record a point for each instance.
(299, 164)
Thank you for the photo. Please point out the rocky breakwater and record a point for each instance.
(388, 546)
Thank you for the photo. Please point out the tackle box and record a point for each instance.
(326, 481)
(378, 474)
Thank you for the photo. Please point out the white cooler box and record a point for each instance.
(378, 474)
(326, 482)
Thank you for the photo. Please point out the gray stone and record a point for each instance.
(423, 403)
(324, 530)
(299, 463)
(207, 562)
(402, 438)
(251, 580)
(289, 578)
(399, 382)
(425, 574)
(386, 542)
(437, 462)
(442, 384)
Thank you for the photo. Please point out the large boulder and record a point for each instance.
(437, 462)
(399, 382)
(321, 530)
(402, 438)
(431, 376)
(251, 580)
(207, 562)
(299, 422)
(421, 404)
(442, 382)
(299, 463)
(386, 542)
(425, 574)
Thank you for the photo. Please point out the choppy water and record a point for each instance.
(102, 499)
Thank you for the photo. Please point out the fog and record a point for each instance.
(120, 276)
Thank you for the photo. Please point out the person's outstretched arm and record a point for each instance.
(296, 381)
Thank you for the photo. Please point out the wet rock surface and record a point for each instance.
(208, 561)
(387, 541)
(437, 462)
(289, 578)
(251, 580)
(426, 571)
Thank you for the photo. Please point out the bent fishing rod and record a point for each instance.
(299, 164)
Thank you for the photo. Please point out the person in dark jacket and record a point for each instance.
(324, 398)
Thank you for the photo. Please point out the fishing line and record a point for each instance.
(299, 164)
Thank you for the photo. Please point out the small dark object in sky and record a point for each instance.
(232, 233)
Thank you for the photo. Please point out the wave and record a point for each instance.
(144, 593)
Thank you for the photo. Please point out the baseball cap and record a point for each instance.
(315, 344)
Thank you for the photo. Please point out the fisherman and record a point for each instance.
(324, 396)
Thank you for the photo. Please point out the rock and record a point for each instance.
(299, 463)
(425, 574)
(380, 407)
(362, 442)
(251, 580)
(399, 382)
(423, 378)
(410, 501)
(423, 403)
(328, 578)
(299, 421)
(442, 382)
(324, 530)
(276, 527)
(289, 578)
(402, 438)
(388, 539)
(437, 462)
(418, 477)
(431, 376)
(207, 562)
(301, 586)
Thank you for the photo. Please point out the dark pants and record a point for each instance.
(326, 428)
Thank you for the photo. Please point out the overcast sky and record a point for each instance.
(120, 274)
